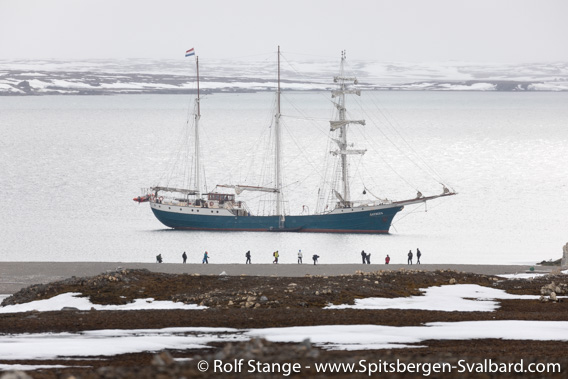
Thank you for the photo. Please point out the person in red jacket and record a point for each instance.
(387, 259)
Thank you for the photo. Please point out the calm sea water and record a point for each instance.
(70, 166)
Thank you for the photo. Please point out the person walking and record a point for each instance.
(276, 255)
(363, 256)
(248, 257)
(300, 256)
(184, 257)
(368, 258)
(409, 257)
(159, 258)
(315, 258)
(205, 258)
(418, 255)
(387, 259)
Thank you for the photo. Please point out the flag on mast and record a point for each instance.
(190, 52)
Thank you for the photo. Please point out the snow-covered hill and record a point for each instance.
(43, 77)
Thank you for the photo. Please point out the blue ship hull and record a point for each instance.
(376, 221)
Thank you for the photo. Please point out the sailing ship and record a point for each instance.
(190, 209)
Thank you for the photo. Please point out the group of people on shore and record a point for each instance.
(418, 255)
(365, 257)
(248, 257)
(410, 256)
(205, 259)
(315, 257)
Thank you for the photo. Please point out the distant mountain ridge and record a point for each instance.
(135, 76)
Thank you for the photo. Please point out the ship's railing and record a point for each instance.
(242, 210)
(364, 203)
(172, 200)
(168, 198)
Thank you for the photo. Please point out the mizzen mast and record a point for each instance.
(196, 137)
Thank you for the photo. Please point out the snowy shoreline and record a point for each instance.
(104, 77)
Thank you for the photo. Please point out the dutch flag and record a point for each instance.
(190, 52)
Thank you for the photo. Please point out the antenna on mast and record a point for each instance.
(278, 79)
(198, 102)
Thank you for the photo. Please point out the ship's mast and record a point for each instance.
(277, 171)
(196, 139)
(341, 124)
(343, 134)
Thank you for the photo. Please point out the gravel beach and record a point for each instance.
(16, 275)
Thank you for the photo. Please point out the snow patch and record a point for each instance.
(331, 337)
(72, 299)
(5, 367)
(549, 86)
(363, 337)
(449, 298)
(521, 275)
(109, 342)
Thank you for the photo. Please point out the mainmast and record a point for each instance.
(277, 171)
(196, 139)
(341, 124)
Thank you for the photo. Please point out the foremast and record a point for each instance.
(196, 191)
(340, 125)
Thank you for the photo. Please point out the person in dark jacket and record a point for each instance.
(248, 257)
(315, 258)
(364, 256)
(184, 256)
(418, 255)
(159, 258)
(409, 257)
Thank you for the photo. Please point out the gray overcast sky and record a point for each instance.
(387, 30)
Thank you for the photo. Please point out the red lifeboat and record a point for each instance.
(142, 199)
